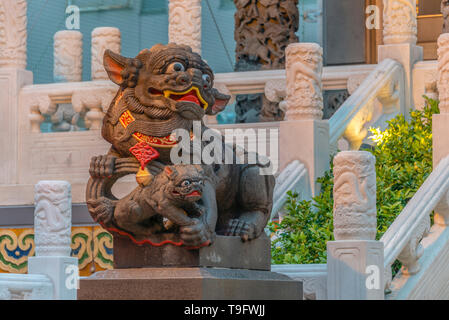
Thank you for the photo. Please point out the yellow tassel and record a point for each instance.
(144, 177)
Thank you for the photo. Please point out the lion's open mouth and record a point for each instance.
(191, 95)
(194, 194)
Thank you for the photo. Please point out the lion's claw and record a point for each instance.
(102, 166)
(240, 228)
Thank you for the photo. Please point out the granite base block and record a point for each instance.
(225, 252)
(188, 284)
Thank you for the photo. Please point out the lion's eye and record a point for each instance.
(185, 183)
(207, 79)
(176, 67)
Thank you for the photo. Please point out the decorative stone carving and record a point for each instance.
(102, 39)
(65, 119)
(445, 12)
(354, 196)
(443, 72)
(52, 218)
(275, 90)
(39, 105)
(304, 87)
(431, 90)
(225, 90)
(263, 29)
(332, 100)
(185, 23)
(355, 80)
(36, 119)
(92, 102)
(400, 21)
(411, 253)
(68, 56)
(13, 34)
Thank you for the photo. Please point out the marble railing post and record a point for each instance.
(52, 236)
(440, 129)
(68, 56)
(13, 76)
(304, 135)
(103, 38)
(355, 259)
(185, 23)
(400, 34)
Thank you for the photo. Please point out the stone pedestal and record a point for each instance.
(407, 54)
(229, 269)
(355, 270)
(61, 270)
(52, 237)
(188, 284)
(226, 252)
(308, 142)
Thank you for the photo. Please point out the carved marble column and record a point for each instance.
(400, 21)
(68, 56)
(103, 38)
(400, 37)
(13, 76)
(443, 72)
(52, 236)
(304, 88)
(304, 135)
(52, 218)
(355, 215)
(440, 129)
(13, 34)
(445, 12)
(185, 23)
(355, 261)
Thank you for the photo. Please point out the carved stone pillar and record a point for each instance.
(52, 236)
(102, 39)
(13, 34)
(400, 37)
(304, 88)
(440, 129)
(52, 218)
(445, 12)
(68, 56)
(355, 215)
(304, 105)
(400, 22)
(13, 76)
(185, 23)
(355, 261)
(443, 72)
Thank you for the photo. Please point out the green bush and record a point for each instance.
(403, 161)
